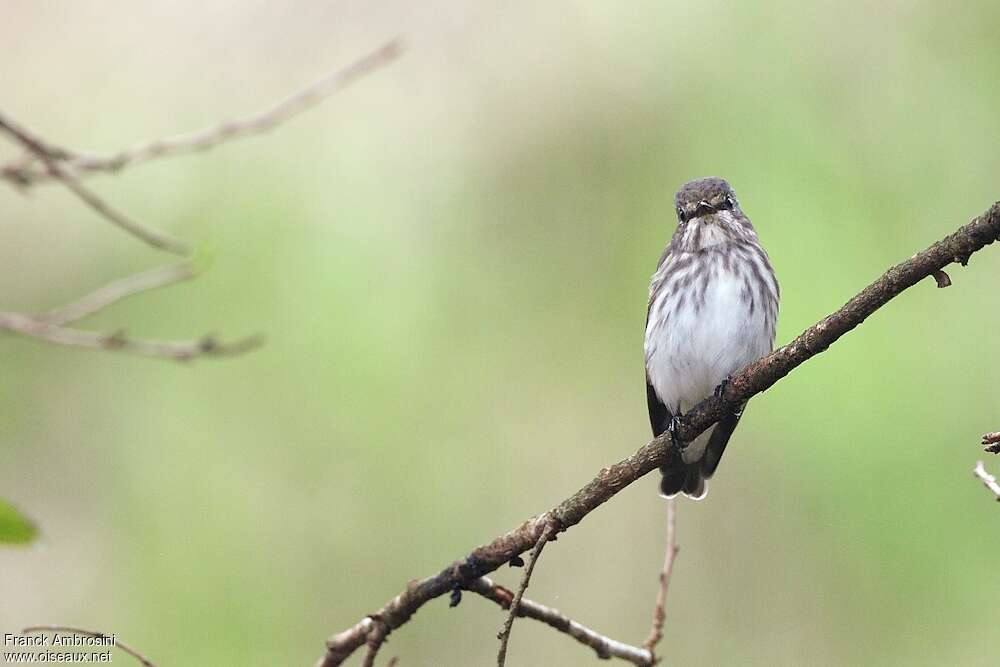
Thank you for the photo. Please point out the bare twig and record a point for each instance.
(182, 350)
(153, 237)
(751, 380)
(35, 146)
(605, 647)
(64, 165)
(191, 142)
(374, 642)
(52, 327)
(991, 442)
(988, 480)
(340, 646)
(660, 610)
(91, 633)
(51, 158)
(515, 604)
(115, 291)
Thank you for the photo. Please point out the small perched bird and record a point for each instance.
(713, 306)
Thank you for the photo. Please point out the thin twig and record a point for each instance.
(35, 146)
(515, 604)
(114, 292)
(258, 123)
(52, 327)
(746, 383)
(64, 165)
(988, 480)
(51, 158)
(605, 647)
(374, 642)
(660, 610)
(152, 236)
(991, 442)
(180, 350)
(340, 646)
(92, 633)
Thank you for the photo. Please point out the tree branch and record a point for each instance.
(51, 157)
(660, 610)
(258, 123)
(114, 292)
(374, 641)
(515, 604)
(91, 633)
(64, 165)
(118, 341)
(52, 327)
(605, 647)
(751, 380)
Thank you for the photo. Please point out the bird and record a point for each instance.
(713, 308)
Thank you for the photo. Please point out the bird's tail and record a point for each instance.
(686, 478)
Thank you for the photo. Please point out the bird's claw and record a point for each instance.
(721, 389)
(675, 423)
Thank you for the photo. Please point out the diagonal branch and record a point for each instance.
(374, 641)
(605, 647)
(153, 237)
(51, 158)
(751, 380)
(66, 166)
(515, 604)
(192, 142)
(114, 292)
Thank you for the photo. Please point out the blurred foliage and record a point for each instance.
(450, 263)
(15, 528)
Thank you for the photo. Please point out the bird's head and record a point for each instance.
(708, 215)
(704, 197)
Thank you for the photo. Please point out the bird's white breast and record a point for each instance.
(702, 328)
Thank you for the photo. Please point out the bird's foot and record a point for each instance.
(721, 389)
(675, 441)
(477, 570)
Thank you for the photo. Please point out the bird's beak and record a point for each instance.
(703, 208)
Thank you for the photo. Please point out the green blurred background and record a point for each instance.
(450, 262)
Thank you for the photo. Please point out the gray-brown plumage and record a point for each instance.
(713, 307)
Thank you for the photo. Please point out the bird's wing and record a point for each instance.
(659, 415)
